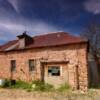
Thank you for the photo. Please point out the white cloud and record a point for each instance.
(14, 3)
(92, 6)
(14, 29)
(41, 27)
(9, 31)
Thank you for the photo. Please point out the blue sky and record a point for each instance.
(44, 16)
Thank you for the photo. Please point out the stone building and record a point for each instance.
(55, 58)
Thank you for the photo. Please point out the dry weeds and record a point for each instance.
(16, 94)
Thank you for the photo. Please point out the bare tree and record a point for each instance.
(92, 33)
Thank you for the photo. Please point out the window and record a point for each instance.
(13, 65)
(31, 65)
(54, 70)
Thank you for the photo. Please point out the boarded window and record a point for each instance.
(31, 65)
(54, 70)
(13, 65)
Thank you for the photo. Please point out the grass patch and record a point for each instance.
(18, 84)
(21, 85)
(35, 86)
(41, 86)
(64, 87)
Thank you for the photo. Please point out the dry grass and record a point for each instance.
(17, 94)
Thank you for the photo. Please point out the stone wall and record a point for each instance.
(76, 55)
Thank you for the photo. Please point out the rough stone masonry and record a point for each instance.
(68, 56)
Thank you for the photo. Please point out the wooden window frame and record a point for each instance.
(31, 68)
(13, 65)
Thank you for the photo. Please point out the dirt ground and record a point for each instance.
(15, 94)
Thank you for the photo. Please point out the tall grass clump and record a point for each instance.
(64, 87)
(41, 86)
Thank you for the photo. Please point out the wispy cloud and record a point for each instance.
(43, 16)
(13, 29)
(14, 4)
(92, 6)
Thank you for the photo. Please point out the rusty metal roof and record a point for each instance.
(47, 40)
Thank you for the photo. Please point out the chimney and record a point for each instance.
(24, 40)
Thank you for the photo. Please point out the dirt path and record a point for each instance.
(13, 94)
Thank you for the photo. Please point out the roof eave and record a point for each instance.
(27, 48)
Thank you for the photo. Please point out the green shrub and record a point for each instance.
(21, 84)
(6, 84)
(41, 86)
(35, 85)
(18, 84)
(64, 87)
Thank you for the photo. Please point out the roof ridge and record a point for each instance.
(49, 39)
(50, 33)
